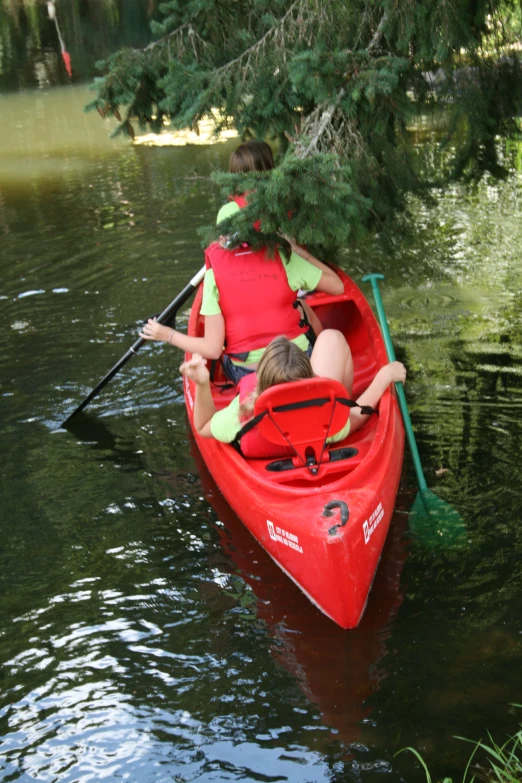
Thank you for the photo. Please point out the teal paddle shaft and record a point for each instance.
(373, 279)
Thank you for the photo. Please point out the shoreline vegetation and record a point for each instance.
(202, 133)
(496, 763)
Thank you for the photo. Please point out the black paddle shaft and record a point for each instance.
(166, 315)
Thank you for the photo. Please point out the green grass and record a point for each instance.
(503, 763)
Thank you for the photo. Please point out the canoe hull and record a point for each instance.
(301, 521)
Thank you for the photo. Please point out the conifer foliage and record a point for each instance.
(336, 82)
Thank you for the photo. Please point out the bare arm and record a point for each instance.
(210, 346)
(390, 373)
(330, 282)
(204, 407)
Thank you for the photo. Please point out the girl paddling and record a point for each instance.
(248, 299)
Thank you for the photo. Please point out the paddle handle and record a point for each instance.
(403, 405)
(166, 315)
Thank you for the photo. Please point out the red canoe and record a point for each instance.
(325, 526)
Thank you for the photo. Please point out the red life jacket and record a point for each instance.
(254, 296)
(240, 201)
(253, 444)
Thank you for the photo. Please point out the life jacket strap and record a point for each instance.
(236, 443)
(303, 321)
(212, 371)
(302, 405)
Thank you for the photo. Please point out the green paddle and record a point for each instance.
(433, 520)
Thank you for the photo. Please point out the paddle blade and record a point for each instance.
(435, 523)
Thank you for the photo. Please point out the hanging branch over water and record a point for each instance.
(338, 83)
(328, 125)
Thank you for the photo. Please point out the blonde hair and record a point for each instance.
(252, 155)
(282, 362)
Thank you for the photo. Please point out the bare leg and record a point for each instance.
(332, 358)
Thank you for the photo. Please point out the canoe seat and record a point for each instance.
(328, 472)
(298, 417)
(334, 455)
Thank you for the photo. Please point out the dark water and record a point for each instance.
(32, 38)
(143, 633)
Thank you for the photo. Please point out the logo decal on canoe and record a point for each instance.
(370, 524)
(283, 537)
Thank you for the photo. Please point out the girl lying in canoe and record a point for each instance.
(283, 362)
(248, 299)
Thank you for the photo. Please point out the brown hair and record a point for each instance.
(282, 362)
(252, 155)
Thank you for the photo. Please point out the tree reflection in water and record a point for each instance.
(337, 670)
(30, 50)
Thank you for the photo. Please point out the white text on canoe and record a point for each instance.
(283, 537)
(372, 522)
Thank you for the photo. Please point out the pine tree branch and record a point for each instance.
(258, 45)
(166, 38)
(320, 121)
(376, 40)
(278, 30)
(176, 34)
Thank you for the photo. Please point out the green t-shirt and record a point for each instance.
(226, 211)
(225, 424)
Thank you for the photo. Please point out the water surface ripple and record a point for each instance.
(143, 634)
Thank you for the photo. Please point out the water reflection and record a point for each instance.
(51, 140)
(124, 662)
(140, 636)
(31, 50)
(336, 670)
